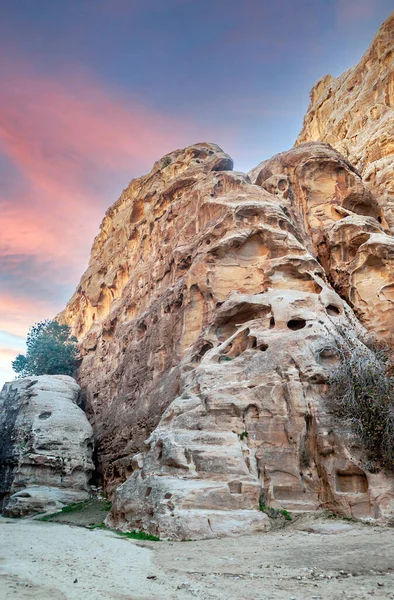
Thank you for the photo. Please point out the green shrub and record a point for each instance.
(51, 350)
(362, 394)
(132, 535)
(275, 513)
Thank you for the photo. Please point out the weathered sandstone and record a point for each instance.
(355, 114)
(46, 445)
(209, 320)
(342, 225)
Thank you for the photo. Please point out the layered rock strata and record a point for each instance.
(209, 323)
(355, 114)
(46, 445)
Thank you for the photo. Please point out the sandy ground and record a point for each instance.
(308, 560)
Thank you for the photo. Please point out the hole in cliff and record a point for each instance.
(167, 496)
(252, 413)
(352, 483)
(333, 310)
(205, 348)
(379, 219)
(361, 206)
(141, 331)
(296, 324)
(243, 341)
(235, 487)
(148, 492)
(263, 347)
(159, 450)
(24, 495)
(228, 326)
(178, 302)
(44, 415)
(272, 322)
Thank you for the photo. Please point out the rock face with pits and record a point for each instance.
(355, 114)
(209, 320)
(342, 225)
(46, 445)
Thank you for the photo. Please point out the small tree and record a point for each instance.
(51, 350)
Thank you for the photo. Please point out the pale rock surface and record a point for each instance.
(46, 445)
(209, 323)
(355, 114)
(342, 225)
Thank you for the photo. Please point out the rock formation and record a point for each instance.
(355, 114)
(46, 445)
(214, 307)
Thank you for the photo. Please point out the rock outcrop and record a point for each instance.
(46, 445)
(355, 114)
(214, 308)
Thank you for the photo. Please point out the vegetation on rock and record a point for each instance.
(362, 393)
(51, 350)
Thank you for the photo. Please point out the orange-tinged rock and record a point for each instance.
(355, 114)
(209, 322)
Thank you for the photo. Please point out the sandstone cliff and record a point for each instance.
(213, 309)
(46, 445)
(355, 114)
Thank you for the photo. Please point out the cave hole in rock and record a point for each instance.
(227, 326)
(333, 310)
(360, 206)
(328, 356)
(45, 415)
(167, 496)
(204, 349)
(252, 413)
(352, 483)
(141, 331)
(159, 450)
(108, 332)
(296, 324)
(243, 341)
(235, 487)
(148, 492)
(272, 322)
(350, 250)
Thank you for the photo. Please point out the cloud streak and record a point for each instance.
(73, 144)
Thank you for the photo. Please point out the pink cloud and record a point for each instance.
(69, 137)
(74, 144)
(18, 313)
(349, 11)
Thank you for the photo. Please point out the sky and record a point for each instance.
(92, 92)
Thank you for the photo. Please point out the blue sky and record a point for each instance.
(92, 92)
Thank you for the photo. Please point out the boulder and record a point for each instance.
(46, 445)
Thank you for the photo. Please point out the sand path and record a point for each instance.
(51, 561)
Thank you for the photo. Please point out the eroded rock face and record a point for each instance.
(46, 445)
(342, 225)
(252, 424)
(209, 322)
(355, 114)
